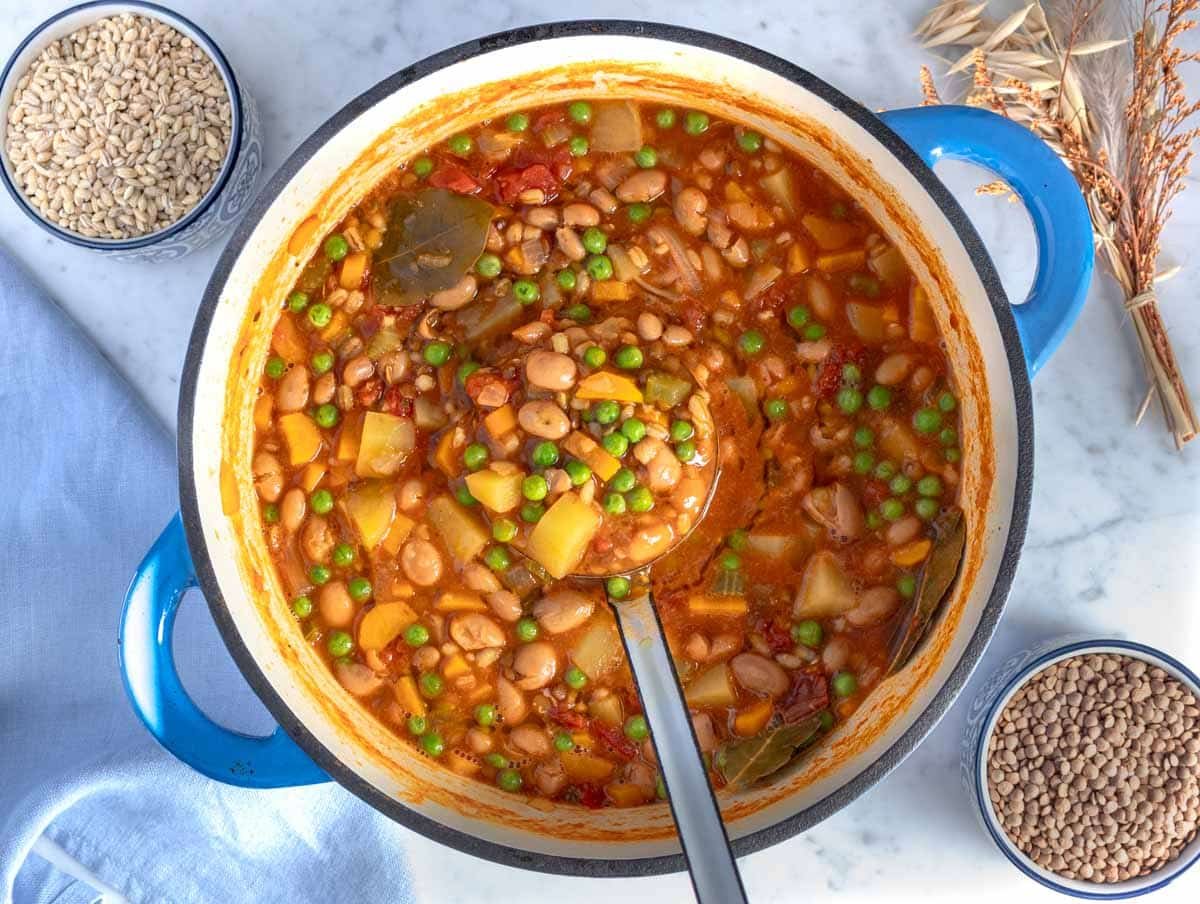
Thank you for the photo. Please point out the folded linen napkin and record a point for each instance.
(90, 482)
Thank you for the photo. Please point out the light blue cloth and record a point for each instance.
(88, 483)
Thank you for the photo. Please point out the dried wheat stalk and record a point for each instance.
(1098, 81)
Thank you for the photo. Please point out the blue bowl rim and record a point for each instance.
(210, 47)
(1024, 674)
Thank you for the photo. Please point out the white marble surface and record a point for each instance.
(1114, 538)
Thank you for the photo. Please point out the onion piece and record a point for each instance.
(687, 273)
(623, 266)
(616, 127)
(762, 278)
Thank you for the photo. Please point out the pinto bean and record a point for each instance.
(550, 777)
(893, 369)
(603, 199)
(541, 217)
(475, 631)
(677, 337)
(536, 664)
(737, 255)
(690, 207)
(902, 531)
(724, 645)
(422, 562)
(479, 741)
(649, 326)
(921, 379)
(268, 476)
(835, 655)
(563, 610)
(293, 509)
(292, 392)
(706, 736)
(412, 495)
(457, 296)
(837, 509)
(335, 605)
(550, 370)
(570, 244)
(530, 739)
(645, 185)
(425, 658)
(543, 418)
(357, 678)
(316, 539)
(689, 494)
(651, 540)
(357, 370)
(324, 388)
(696, 648)
(480, 578)
(874, 605)
(505, 604)
(580, 214)
(758, 674)
(511, 702)
(663, 470)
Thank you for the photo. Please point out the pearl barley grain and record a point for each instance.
(118, 129)
(1093, 768)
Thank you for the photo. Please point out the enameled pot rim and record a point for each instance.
(1023, 451)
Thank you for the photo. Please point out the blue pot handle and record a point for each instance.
(159, 699)
(1050, 193)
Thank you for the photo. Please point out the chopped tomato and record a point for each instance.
(397, 403)
(808, 694)
(453, 177)
(777, 636)
(511, 183)
(829, 380)
(591, 796)
(567, 717)
(615, 740)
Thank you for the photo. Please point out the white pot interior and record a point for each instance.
(400, 123)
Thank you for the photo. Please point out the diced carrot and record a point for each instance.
(911, 553)
(717, 605)
(460, 601)
(302, 437)
(314, 472)
(446, 455)
(583, 767)
(842, 260)
(610, 290)
(798, 258)
(402, 526)
(302, 235)
(337, 325)
(589, 451)
(605, 384)
(830, 234)
(262, 411)
(627, 794)
(408, 697)
(734, 192)
(501, 421)
(288, 342)
(383, 624)
(481, 692)
(353, 268)
(583, 739)
(455, 666)
(750, 721)
(351, 435)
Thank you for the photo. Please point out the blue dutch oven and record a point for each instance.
(216, 543)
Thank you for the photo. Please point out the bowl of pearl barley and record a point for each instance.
(1084, 760)
(125, 131)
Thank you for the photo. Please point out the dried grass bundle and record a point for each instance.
(1098, 81)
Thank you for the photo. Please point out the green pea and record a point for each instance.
(606, 412)
(580, 111)
(639, 212)
(879, 398)
(618, 587)
(814, 331)
(431, 684)
(339, 644)
(946, 402)
(566, 279)
(798, 316)
(497, 558)
(615, 444)
(686, 450)
(488, 266)
(416, 635)
(322, 362)
(906, 585)
(594, 356)
(327, 415)
(864, 437)
(948, 436)
(460, 145)
(535, 487)
(578, 472)
(951, 455)
(496, 760)
(874, 522)
(422, 167)
(485, 715)
(645, 157)
(465, 370)
(636, 728)
(320, 314)
(844, 684)
(336, 247)
(900, 484)
(594, 240)
(504, 530)
(578, 146)
(891, 509)
(751, 342)
(563, 742)
(665, 118)
(926, 420)
(527, 630)
(575, 678)
(738, 539)
(885, 470)
(599, 267)
(319, 574)
(776, 409)
(929, 485)
(629, 357)
(509, 780)
(475, 456)
(517, 122)
(849, 399)
(681, 430)
(808, 633)
(730, 560)
(851, 374)
(545, 454)
(463, 495)
(750, 142)
(418, 725)
(614, 504)
(695, 122)
(531, 512)
(863, 461)
(321, 502)
(526, 291)
(863, 284)
(297, 301)
(437, 353)
(360, 588)
(623, 481)
(634, 430)
(578, 312)
(302, 606)
(825, 718)
(270, 513)
(433, 744)
(343, 555)
(926, 508)
(640, 500)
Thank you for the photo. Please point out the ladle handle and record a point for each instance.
(705, 846)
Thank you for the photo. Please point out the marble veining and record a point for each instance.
(1114, 535)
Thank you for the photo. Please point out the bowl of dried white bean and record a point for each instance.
(1084, 760)
(125, 131)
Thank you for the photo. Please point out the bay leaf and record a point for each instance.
(433, 238)
(746, 761)
(937, 574)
